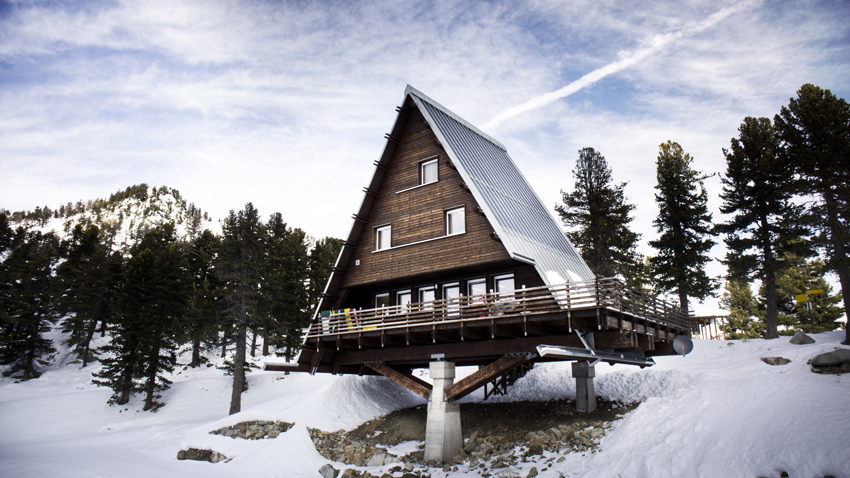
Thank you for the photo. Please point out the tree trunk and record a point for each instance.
(224, 343)
(153, 367)
(683, 298)
(196, 352)
(771, 318)
(87, 347)
(238, 371)
(839, 258)
(254, 344)
(265, 346)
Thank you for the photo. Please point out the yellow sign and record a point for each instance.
(801, 298)
(814, 291)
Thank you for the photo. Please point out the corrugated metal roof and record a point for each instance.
(526, 228)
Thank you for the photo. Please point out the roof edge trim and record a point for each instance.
(413, 91)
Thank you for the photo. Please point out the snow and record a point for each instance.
(719, 411)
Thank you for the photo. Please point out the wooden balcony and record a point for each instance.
(608, 294)
(479, 329)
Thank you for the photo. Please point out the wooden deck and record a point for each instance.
(481, 329)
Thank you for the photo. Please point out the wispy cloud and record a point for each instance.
(626, 60)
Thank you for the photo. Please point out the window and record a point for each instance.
(451, 297)
(426, 297)
(455, 221)
(382, 300)
(476, 289)
(428, 172)
(402, 299)
(505, 286)
(383, 238)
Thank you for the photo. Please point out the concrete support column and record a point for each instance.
(442, 430)
(583, 372)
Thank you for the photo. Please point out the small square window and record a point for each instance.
(455, 221)
(428, 172)
(383, 238)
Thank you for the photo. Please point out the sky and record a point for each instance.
(285, 104)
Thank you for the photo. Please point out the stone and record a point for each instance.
(775, 360)
(376, 460)
(836, 357)
(200, 455)
(596, 432)
(560, 459)
(348, 473)
(327, 471)
(532, 472)
(801, 339)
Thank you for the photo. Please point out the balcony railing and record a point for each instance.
(607, 293)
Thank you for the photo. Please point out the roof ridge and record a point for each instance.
(413, 91)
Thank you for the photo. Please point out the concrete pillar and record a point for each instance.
(583, 372)
(442, 430)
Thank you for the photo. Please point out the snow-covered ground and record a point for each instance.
(719, 412)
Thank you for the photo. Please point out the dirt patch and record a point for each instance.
(510, 421)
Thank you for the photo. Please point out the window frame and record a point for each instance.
(423, 165)
(379, 232)
(446, 218)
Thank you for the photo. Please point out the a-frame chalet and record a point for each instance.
(452, 253)
(453, 259)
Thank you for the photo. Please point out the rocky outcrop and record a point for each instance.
(775, 360)
(254, 430)
(491, 452)
(801, 339)
(201, 455)
(837, 361)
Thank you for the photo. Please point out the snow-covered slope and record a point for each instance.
(719, 412)
(127, 215)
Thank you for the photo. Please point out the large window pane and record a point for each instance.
(429, 172)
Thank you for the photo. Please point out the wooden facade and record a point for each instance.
(407, 285)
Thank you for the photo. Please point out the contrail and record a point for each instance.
(653, 45)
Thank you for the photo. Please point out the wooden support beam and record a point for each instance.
(317, 359)
(483, 375)
(406, 380)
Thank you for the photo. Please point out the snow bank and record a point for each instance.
(719, 411)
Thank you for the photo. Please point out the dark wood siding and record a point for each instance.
(419, 215)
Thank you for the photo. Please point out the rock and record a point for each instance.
(348, 473)
(376, 460)
(532, 472)
(845, 368)
(775, 360)
(327, 471)
(200, 455)
(801, 339)
(560, 459)
(836, 357)
(596, 432)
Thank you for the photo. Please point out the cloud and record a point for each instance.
(627, 59)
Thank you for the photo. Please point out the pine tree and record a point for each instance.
(285, 286)
(203, 318)
(153, 299)
(796, 278)
(758, 189)
(599, 213)
(815, 134)
(89, 280)
(240, 264)
(321, 262)
(27, 298)
(743, 319)
(685, 227)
